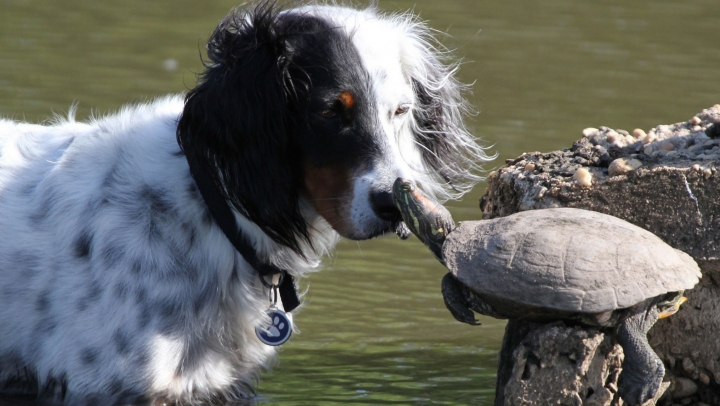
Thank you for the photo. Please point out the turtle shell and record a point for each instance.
(566, 259)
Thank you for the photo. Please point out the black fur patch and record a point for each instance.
(82, 244)
(141, 358)
(116, 386)
(93, 294)
(121, 291)
(136, 267)
(46, 325)
(170, 314)
(194, 353)
(209, 294)
(89, 355)
(144, 318)
(254, 119)
(141, 295)
(42, 304)
(190, 234)
(48, 199)
(169, 307)
(159, 203)
(122, 342)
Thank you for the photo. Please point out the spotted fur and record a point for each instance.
(117, 286)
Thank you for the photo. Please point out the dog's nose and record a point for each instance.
(384, 206)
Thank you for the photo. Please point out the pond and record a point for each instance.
(374, 329)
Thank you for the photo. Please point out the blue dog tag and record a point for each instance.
(279, 329)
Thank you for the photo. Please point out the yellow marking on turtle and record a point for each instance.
(672, 310)
(406, 200)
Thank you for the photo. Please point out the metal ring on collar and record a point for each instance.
(270, 285)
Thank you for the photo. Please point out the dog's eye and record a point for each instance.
(327, 113)
(401, 110)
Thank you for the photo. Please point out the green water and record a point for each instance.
(375, 330)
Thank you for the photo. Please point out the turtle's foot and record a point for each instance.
(637, 386)
(642, 370)
(455, 301)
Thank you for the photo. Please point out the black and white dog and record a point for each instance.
(116, 284)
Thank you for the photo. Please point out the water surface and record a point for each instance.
(375, 330)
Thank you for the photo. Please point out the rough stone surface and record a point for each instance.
(582, 365)
(559, 364)
(674, 194)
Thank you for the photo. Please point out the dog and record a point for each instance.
(117, 282)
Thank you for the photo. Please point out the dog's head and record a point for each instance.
(326, 106)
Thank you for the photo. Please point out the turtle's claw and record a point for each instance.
(455, 301)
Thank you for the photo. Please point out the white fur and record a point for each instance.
(126, 314)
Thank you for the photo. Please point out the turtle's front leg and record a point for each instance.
(460, 300)
(455, 301)
(642, 370)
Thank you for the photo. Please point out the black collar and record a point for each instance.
(225, 219)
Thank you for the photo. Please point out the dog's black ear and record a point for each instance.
(236, 123)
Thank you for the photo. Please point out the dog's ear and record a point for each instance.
(439, 114)
(236, 123)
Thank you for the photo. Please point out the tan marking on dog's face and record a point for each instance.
(330, 192)
(347, 99)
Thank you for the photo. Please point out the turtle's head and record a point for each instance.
(430, 221)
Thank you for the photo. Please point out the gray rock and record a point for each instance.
(558, 364)
(683, 388)
(578, 363)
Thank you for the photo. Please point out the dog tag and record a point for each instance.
(278, 331)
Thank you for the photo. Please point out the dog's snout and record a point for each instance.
(384, 206)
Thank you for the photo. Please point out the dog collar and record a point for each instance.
(225, 219)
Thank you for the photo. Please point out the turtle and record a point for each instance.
(558, 264)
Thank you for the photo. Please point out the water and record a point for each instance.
(375, 330)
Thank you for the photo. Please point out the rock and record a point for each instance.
(688, 365)
(554, 363)
(621, 166)
(612, 136)
(683, 388)
(583, 177)
(579, 363)
(713, 131)
(589, 132)
(673, 194)
(603, 397)
(704, 378)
